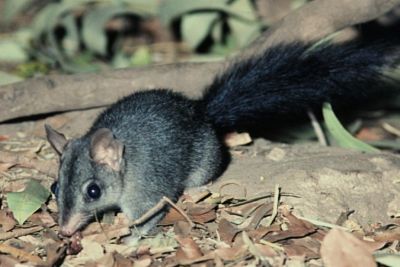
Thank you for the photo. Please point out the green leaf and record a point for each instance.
(11, 51)
(93, 23)
(340, 134)
(24, 204)
(50, 16)
(12, 8)
(147, 7)
(6, 78)
(195, 27)
(141, 57)
(244, 8)
(218, 32)
(70, 43)
(120, 60)
(386, 144)
(171, 9)
(391, 260)
(226, 48)
(243, 32)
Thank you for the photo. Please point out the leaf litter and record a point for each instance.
(210, 229)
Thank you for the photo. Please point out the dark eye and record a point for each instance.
(54, 188)
(93, 191)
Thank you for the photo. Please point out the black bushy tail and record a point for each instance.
(289, 79)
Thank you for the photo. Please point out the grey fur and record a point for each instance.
(168, 145)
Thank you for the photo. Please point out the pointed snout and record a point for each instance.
(66, 232)
(72, 225)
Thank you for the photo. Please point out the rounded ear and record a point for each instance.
(105, 149)
(57, 140)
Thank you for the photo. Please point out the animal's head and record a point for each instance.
(90, 176)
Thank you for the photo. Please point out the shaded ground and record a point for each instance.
(235, 221)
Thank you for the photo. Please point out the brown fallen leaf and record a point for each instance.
(42, 218)
(195, 196)
(48, 167)
(55, 252)
(388, 235)
(106, 261)
(107, 232)
(182, 228)
(262, 231)
(227, 231)
(231, 253)
(194, 209)
(143, 261)
(21, 254)
(342, 249)
(199, 213)
(261, 212)
(20, 232)
(297, 228)
(121, 261)
(244, 210)
(188, 249)
(4, 166)
(237, 139)
(304, 247)
(7, 221)
(8, 261)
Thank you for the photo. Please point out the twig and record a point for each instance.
(391, 129)
(272, 245)
(275, 207)
(156, 208)
(100, 225)
(317, 128)
(262, 197)
(323, 224)
(233, 183)
(20, 232)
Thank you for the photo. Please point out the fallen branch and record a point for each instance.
(70, 92)
(318, 19)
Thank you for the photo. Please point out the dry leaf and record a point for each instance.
(8, 261)
(304, 247)
(261, 212)
(20, 254)
(231, 254)
(188, 249)
(5, 166)
(7, 221)
(342, 249)
(227, 231)
(237, 139)
(42, 218)
(261, 231)
(91, 250)
(143, 261)
(182, 228)
(389, 235)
